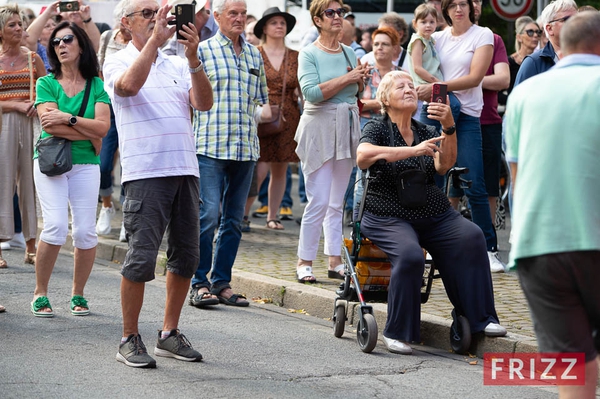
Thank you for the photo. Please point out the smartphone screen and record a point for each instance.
(439, 91)
(68, 6)
(184, 14)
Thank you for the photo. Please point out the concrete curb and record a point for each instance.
(318, 302)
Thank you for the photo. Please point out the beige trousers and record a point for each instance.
(16, 170)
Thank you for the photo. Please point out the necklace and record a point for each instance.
(12, 63)
(339, 46)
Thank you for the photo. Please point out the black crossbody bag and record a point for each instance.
(54, 153)
(411, 184)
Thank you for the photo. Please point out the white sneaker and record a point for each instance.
(496, 265)
(494, 330)
(18, 241)
(106, 215)
(122, 236)
(395, 346)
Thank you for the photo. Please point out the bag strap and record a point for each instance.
(31, 77)
(86, 97)
(351, 67)
(391, 136)
(401, 60)
(285, 72)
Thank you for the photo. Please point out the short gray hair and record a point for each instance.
(581, 34)
(383, 90)
(550, 11)
(219, 5)
(119, 12)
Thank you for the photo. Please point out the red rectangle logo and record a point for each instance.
(533, 368)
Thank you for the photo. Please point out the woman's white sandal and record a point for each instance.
(304, 272)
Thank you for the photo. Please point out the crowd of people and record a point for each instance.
(350, 100)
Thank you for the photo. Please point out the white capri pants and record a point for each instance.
(325, 189)
(78, 188)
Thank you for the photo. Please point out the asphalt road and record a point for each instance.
(263, 351)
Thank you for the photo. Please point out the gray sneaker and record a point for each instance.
(134, 354)
(176, 346)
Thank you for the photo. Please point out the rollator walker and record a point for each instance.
(367, 273)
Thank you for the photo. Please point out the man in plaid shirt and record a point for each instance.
(227, 150)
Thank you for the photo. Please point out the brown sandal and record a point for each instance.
(30, 258)
(3, 264)
(274, 225)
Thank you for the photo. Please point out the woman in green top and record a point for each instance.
(59, 98)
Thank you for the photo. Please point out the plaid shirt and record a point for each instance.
(228, 130)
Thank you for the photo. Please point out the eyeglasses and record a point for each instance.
(531, 32)
(330, 12)
(563, 19)
(146, 13)
(66, 39)
(461, 5)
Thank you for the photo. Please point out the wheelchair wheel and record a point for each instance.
(460, 334)
(339, 318)
(366, 333)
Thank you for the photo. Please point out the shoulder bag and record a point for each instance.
(276, 124)
(411, 184)
(54, 153)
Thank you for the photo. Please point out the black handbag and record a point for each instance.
(54, 153)
(411, 184)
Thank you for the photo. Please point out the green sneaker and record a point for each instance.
(134, 354)
(176, 346)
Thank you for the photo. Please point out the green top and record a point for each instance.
(50, 91)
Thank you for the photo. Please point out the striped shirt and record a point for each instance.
(155, 131)
(15, 85)
(228, 130)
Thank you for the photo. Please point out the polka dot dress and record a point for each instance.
(382, 197)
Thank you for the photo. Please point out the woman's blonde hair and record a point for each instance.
(520, 25)
(385, 86)
(7, 12)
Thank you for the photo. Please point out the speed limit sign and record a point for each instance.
(511, 9)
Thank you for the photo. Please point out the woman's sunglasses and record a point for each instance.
(330, 12)
(531, 32)
(66, 39)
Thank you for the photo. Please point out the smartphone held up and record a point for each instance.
(184, 14)
(439, 91)
(68, 6)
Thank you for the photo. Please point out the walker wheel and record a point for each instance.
(339, 318)
(366, 333)
(460, 334)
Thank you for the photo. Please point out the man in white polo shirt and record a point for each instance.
(151, 95)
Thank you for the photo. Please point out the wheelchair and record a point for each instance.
(367, 274)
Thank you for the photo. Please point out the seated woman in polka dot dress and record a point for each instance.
(457, 245)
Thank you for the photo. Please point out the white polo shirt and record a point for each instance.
(155, 130)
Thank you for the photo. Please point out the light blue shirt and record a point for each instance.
(554, 137)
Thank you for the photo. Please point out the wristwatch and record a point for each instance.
(450, 131)
(72, 120)
(198, 68)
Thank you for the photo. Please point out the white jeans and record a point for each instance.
(78, 188)
(325, 190)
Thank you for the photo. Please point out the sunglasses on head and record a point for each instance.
(531, 32)
(66, 39)
(330, 12)
(146, 13)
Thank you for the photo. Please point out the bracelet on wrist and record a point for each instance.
(196, 69)
(449, 131)
(86, 21)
